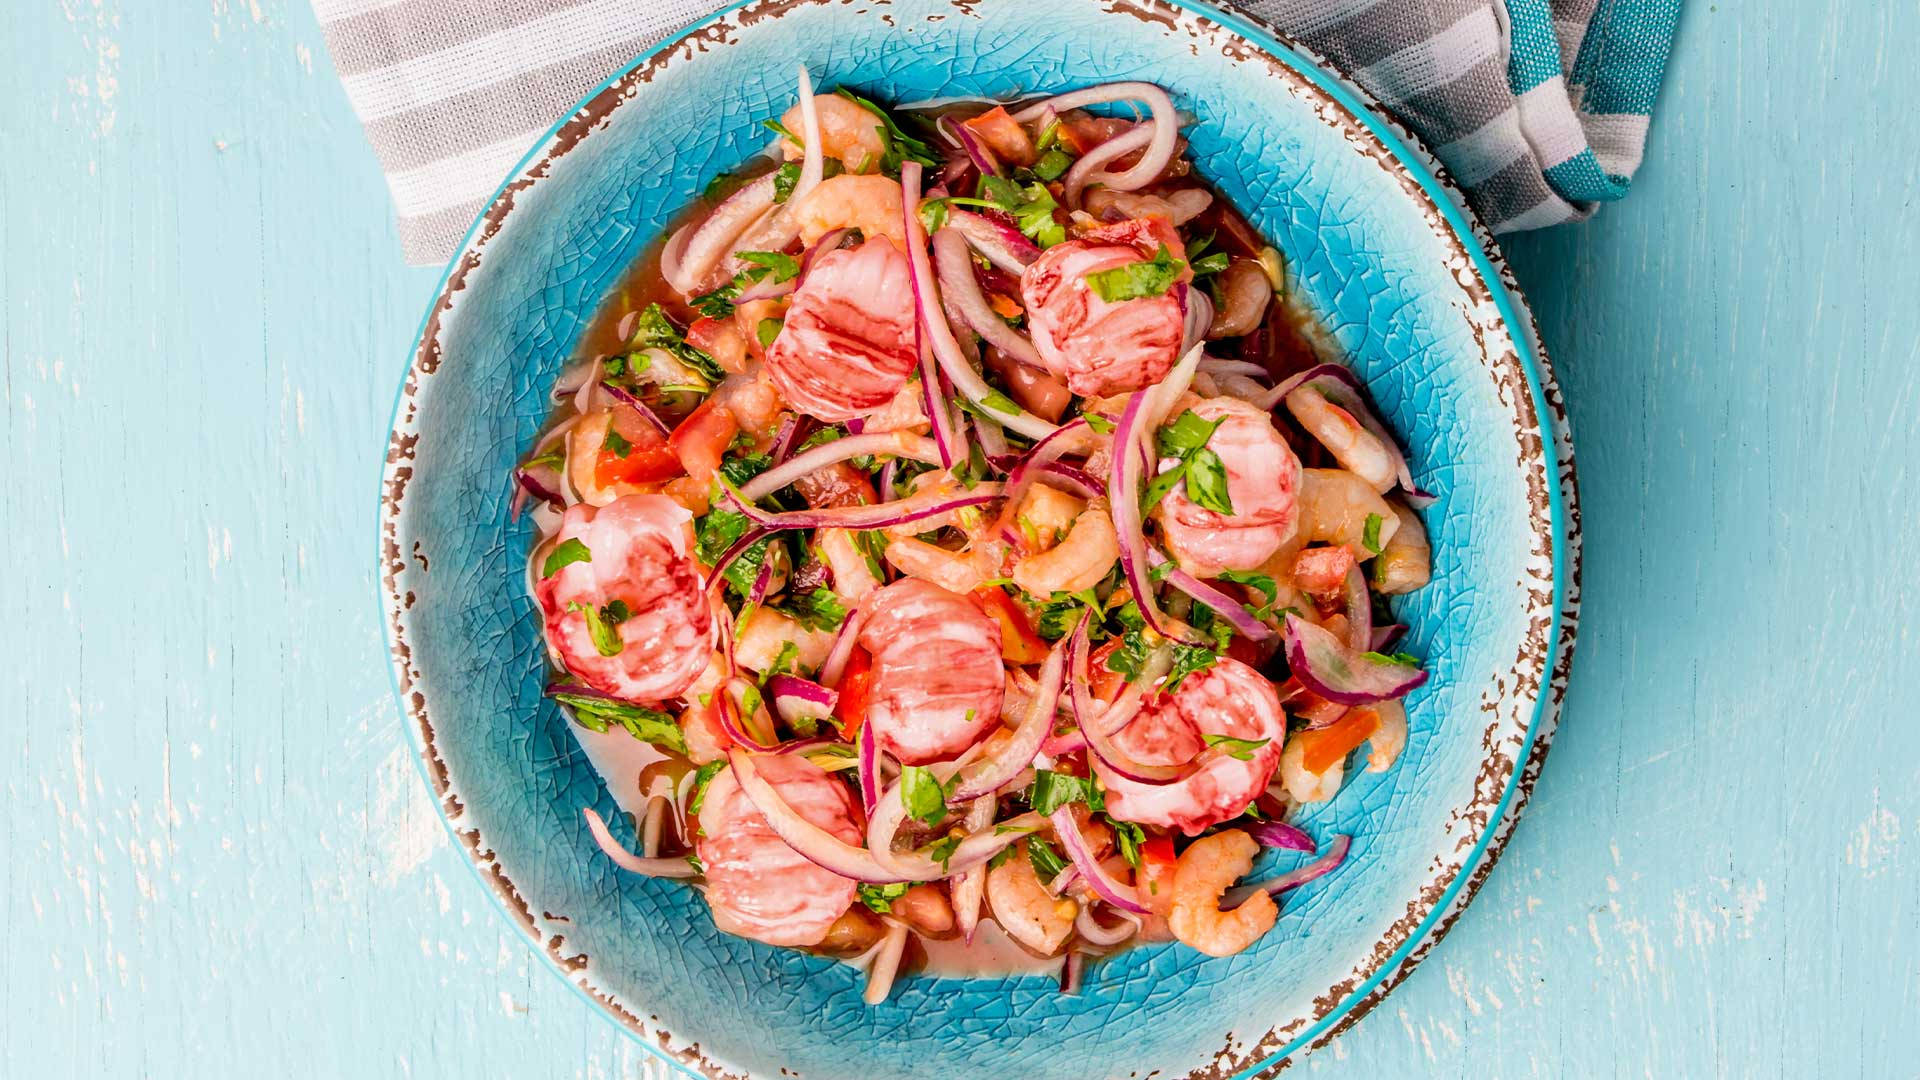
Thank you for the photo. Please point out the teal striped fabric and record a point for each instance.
(1538, 108)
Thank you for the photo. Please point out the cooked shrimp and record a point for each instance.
(1263, 481)
(1302, 784)
(1389, 736)
(759, 641)
(1245, 293)
(1405, 562)
(847, 132)
(871, 204)
(1353, 446)
(955, 571)
(853, 579)
(1045, 515)
(848, 342)
(1206, 869)
(937, 672)
(1078, 562)
(1025, 909)
(654, 633)
(1097, 346)
(925, 908)
(757, 886)
(1228, 699)
(1334, 507)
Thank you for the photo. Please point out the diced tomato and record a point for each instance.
(1004, 136)
(1153, 881)
(1019, 644)
(856, 689)
(838, 484)
(702, 438)
(722, 340)
(648, 459)
(1081, 132)
(1323, 748)
(1106, 683)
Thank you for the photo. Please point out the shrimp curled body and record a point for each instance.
(1229, 700)
(637, 556)
(848, 342)
(1205, 870)
(937, 673)
(757, 886)
(1100, 346)
(1263, 485)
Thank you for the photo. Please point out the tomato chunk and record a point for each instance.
(702, 438)
(1003, 135)
(856, 689)
(1019, 644)
(1323, 748)
(634, 453)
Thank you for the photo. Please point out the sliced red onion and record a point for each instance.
(699, 254)
(993, 441)
(727, 709)
(1098, 731)
(948, 435)
(1093, 933)
(829, 241)
(991, 773)
(869, 747)
(1170, 388)
(799, 700)
(960, 288)
(535, 483)
(916, 507)
(1087, 171)
(969, 886)
(1222, 605)
(627, 860)
(673, 256)
(813, 162)
(762, 582)
(972, 851)
(1384, 636)
(976, 152)
(1103, 884)
(1326, 666)
(807, 746)
(626, 398)
(841, 651)
(934, 324)
(886, 964)
(1071, 437)
(1073, 972)
(996, 237)
(785, 439)
(737, 549)
(1198, 307)
(815, 844)
(1279, 834)
(1215, 366)
(1074, 480)
(1162, 137)
(1359, 610)
(1293, 879)
(1062, 881)
(887, 473)
(1129, 462)
(896, 443)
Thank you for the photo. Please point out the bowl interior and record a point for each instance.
(1367, 250)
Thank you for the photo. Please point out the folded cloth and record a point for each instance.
(1538, 108)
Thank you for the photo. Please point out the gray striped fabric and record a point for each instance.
(454, 92)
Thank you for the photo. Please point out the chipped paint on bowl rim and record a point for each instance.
(1515, 744)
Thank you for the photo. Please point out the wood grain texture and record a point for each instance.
(220, 861)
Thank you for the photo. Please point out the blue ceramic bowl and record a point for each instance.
(1378, 245)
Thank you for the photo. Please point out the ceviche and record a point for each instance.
(979, 539)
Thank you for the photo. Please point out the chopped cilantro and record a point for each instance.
(1053, 790)
(1128, 837)
(647, 725)
(784, 178)
(1188, 659)
(1047, 863)
(817, 610)
(1136, 280)
(694, 861)
(1399, 659)
(654, 330)
(1185, 440)
(617, 443)
(1052, 164)
(1032, 208)
(567, 552)
(1210, 264)
(1207, 482)
(603, 625)
(922, 794)
(933, 215)
(880, 898)
(718, 304)
(1370, 535)
(1237, 749)
(780, 129)
(1100, 424)
(943, 849)
(1000, 403)
(768, 331)
(552, 459)
(1000, 857)
(783, 661)
(897, 146)
(701, 779)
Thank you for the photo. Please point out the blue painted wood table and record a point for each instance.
(218, 857)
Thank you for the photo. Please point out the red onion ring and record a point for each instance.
(960, 288)
(1359, 610)
(1163, 133)
(1279, 834)
(627, 860)
(1293, 879)
(1071, 437)
(981, 157)
(842, 649)
(934, 324)
(1092, 932)
(798, 699)
(1004, 245)
(1325, 665)
(1226, 607)
(969, 886)
(896, 443)
(915, 507)
(1129, 462)
(1103, 884)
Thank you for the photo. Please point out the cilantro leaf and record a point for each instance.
(1137, 280)
(1052, 164)
(1187, 659)
(617, 443)
(1053, 790)
(768, 330)
(784, 179)
(1237, 749)
(603, 625)
(701, 779)
(1047, 863)
(943, 849)
(1370, 535)
(1399, 659)
(1185, 440)
(647, 725)
(1188, 432)
(923, 795)
(1207, 482)
(880, 898)
(1128, 837)
(567, 552)
(817, 610)
(898, 145)
(654, 330)
(1209, 264)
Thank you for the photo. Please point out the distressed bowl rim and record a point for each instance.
(1406, 153)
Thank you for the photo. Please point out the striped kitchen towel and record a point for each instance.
(1539, 108)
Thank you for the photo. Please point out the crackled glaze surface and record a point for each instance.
(1377, 249)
